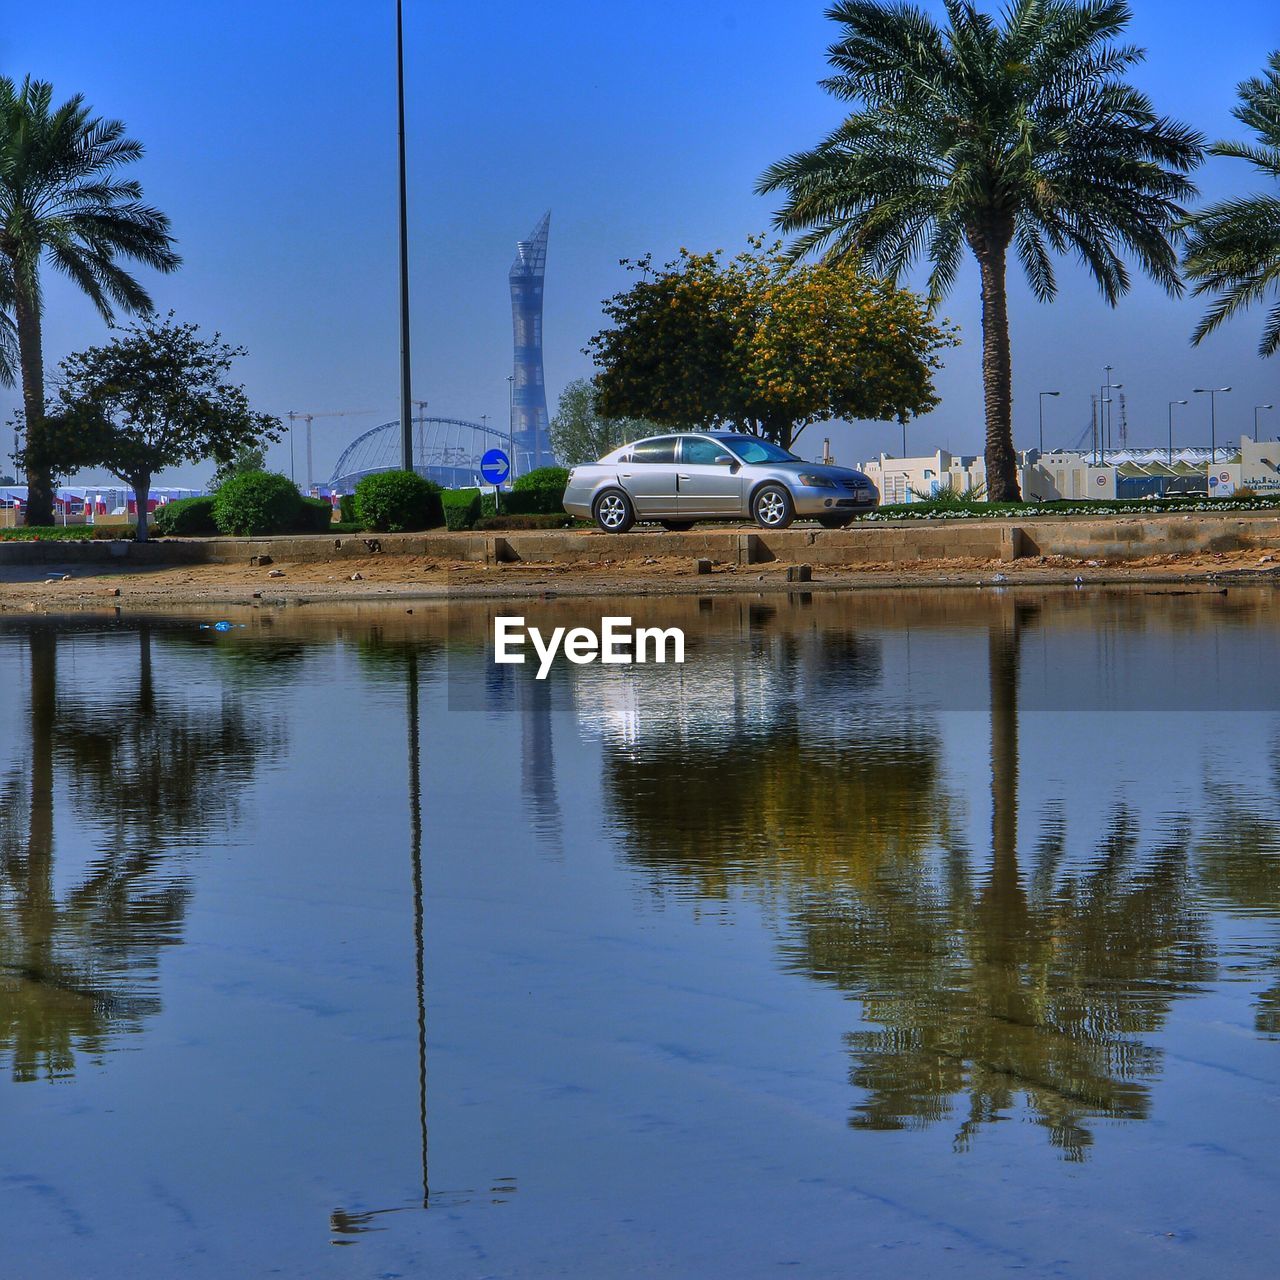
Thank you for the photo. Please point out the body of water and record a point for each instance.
(892, 935)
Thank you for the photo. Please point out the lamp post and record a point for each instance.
(1104, 410)
(1042, 396)
(406, 402)
(1257, 408)
(1213, 393)
(511, 419)
(1171, 404)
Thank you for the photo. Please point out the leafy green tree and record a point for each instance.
(765, 346)
(249, 457)
(62, 201)
(581, 433)
(1014, 133)
(1233, 247)
(155, 396)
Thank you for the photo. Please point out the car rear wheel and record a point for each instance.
(771, 507)
(676, 526)
(613, 511)
(835, 522)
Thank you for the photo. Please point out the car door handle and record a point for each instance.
(680, 477)
(626, 475)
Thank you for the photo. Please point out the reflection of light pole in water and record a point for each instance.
(415, 856)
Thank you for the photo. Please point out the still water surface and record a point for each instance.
(892, 936)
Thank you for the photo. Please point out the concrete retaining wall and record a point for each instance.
(1118, 538)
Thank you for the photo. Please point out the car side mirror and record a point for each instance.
(723, 460)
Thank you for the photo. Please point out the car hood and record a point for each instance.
(815, 469)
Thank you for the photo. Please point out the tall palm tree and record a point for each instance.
(1233, 248)
(62, 201)
(992, 133)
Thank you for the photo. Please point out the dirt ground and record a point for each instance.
(375, 577)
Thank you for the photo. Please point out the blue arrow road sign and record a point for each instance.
(495, 466)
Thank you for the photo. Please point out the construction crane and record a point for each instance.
(295, 414)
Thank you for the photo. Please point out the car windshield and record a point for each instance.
(753, 449)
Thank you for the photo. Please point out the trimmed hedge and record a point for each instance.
(461, 508)
(347, 509)
(537, 521)
(66, 533)
(398, 502)
(257, 502)
(316, 516)
(538, 492)
(185, 518)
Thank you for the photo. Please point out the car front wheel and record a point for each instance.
(613, 511)
(771, 507)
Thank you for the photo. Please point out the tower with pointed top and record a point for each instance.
(530, 426)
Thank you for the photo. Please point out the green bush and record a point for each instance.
(461, 508)
(185, 518)
(537, 521)
(398, 502)
(257, 502)
(539, 492)
(347, 509)
(316, 516)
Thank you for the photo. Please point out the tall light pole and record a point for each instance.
(406, 401)
(511, 419)
(1171, 405)
(1257, 408)
(1042, 396)
(1104, 408)
(1213, 393)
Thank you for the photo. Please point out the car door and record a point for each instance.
(710, 478)
(649, 477)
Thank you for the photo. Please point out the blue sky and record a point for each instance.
(642, 125)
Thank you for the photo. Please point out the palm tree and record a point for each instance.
(1018, 132)
(60, 199)
(1233, 248)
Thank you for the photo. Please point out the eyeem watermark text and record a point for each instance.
(616, 642)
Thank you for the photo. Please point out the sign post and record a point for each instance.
(495, 467)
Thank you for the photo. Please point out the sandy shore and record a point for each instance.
(43, 588)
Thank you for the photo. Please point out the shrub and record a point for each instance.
(185, 518)
(539, 521)
(461, 508)
(347, 509)
(398, 502)
(538, 492)
(257, 502)
(316, 516)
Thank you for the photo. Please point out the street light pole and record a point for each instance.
(1256, 409)
(511, 420)
(1213, 393)
(406, 403)
(1171, 404)
(1042, 396)
(1104, 410)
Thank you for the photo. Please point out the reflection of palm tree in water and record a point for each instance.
(1035, 987)
(77, 968)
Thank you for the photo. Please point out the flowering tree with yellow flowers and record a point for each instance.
(759, 344)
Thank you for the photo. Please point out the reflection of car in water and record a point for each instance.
(720, 475)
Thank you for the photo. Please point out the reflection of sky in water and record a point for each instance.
(728, 967)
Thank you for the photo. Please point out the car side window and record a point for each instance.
(654, 451)
(695, 450)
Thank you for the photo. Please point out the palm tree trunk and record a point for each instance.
(26, 309)
(991, 249)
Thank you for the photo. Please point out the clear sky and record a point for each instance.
(642, 124)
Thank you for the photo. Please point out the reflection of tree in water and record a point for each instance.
(989, 987)
(154, 773)
(1238, 863)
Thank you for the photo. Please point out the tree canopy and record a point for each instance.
(991, 133)
(763, 345)
(581, 433)
(1233, 247)
(155, 396)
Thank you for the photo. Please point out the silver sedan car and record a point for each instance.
(715, 475)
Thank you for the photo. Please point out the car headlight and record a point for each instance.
(817, 482)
